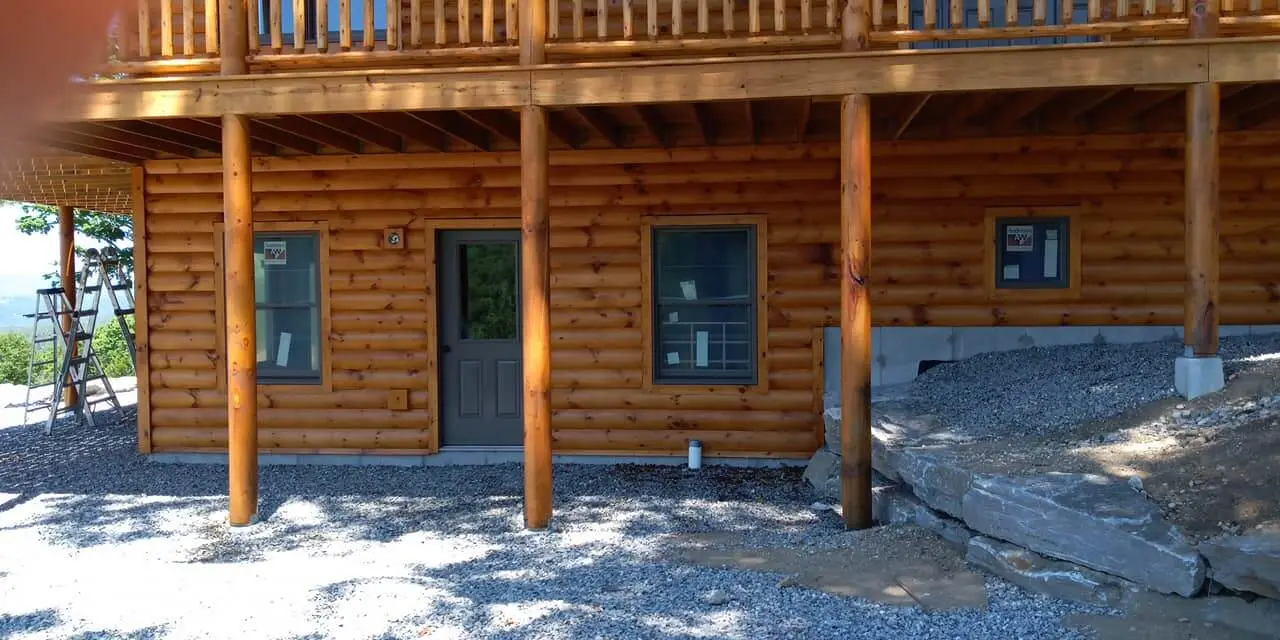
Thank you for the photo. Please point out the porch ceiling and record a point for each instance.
(88, 166)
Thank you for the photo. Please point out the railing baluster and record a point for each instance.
(904, 14)
(753, 16)
(1069, 10)
(628, 19)
(277, 26)
(651, 14)
(579, 23)
(464, 21)
(984, 13)
(370, 27)
(930, 14)
(704, 16)
(727, 7)
(188, 27)
(1179, 8)
(602, 19)
(1122, 8)
(1095, 10)
(1039, 12)
(1255, 6)
(299, 25)
(393, 24)
(144, 29)
(344, 25)
(780, 14)
(166, 28)
(957, 13)
(211, 27)
(806, 15)
(255, 33)
(415, 24)
(1228, 6)
(442, 35)
(831, 14)
(486, 21)
(322, 26)
(512, 23)
(1010, 13)
(553, 20)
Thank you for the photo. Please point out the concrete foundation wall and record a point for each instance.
(898, 351)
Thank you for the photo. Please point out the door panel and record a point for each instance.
(481, 374)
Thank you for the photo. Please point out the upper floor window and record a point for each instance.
(288, 22)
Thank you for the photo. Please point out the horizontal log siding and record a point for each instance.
(926, 270)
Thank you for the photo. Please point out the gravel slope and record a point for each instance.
(95, 542)
(1040, 390)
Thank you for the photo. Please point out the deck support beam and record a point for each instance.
(241, 329)
(535, 271)
(1199, 370)
(67, 279)
(855, 301)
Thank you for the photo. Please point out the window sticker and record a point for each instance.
(702, 338)
(282, 351)
(275, 252)
(673, 357)
(690, 289)
(1012, 272)
(1051, 253)
(1019, 238)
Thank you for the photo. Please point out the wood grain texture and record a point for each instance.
(929, 200)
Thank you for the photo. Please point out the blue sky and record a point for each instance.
(24, 259)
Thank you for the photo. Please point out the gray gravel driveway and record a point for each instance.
(96, 542)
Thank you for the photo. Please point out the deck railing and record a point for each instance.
(179, 36)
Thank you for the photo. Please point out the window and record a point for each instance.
(704, 304)
(287, 19)
(287, 291)
(1033, 252)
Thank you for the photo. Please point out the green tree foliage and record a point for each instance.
(108, 343)
(112, 230)
(491, 291)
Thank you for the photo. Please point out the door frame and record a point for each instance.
(433, 228)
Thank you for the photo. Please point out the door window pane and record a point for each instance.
(287, 292)
(490, 282)
(705, 311)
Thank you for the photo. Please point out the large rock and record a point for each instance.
(1090, 520)
(897, 505)
(1051, 577)
(1249, 562)
(823, 474)
(935, 477)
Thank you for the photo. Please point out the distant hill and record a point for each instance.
(12, 308)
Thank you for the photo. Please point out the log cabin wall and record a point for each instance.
(931, 206)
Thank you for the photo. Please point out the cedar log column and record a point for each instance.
(67, 278)
(855, 303)
(241, 329)
(535, 270)
(1199, 370)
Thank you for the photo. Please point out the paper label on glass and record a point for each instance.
(275, 252)
(1051, 253)
(282, 351)
(690, 289)
(1012, 272)
(1019, 238)
(673, 357)
(701, 339)
(673, 317)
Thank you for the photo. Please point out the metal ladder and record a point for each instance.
(119, 293)
(72, 350)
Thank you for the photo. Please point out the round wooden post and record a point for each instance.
(855, 301)
(1200, 329)
(67, 278)
(536, 285)
(1200, 316)
(241, 329)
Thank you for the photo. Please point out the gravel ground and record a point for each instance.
(1045, 389)
(96, 542)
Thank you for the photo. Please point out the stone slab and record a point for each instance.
(897, 505)
(1249, 562)
(1090, 520)
(934, 476)
(823, 474)
(1055, 578)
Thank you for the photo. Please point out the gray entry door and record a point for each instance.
(481, 378)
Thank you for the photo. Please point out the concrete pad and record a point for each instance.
(1130, 335)
(1194, 377)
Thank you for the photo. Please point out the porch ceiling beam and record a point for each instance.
(268, 132)
(909, 114)
(409, 127)
(105, 133)
(1016, 110)
(210, 131)
(636, 82)
(457, 128)
(314, 128)
(706, 123)
(499, 123)
(602, 123)
(749, 112)
(652, 122)
(153, 133)
(562, 130)
(802, 121)
(363, 130)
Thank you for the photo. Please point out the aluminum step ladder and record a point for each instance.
(73, 352)
(119, 293)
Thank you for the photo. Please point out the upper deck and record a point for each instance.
(171, 37)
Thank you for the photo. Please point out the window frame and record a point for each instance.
(996, 218)
(321, 231)
(652, 379)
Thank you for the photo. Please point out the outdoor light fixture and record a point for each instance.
(393, 238)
